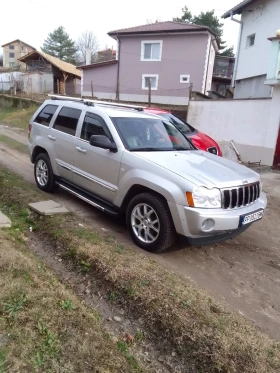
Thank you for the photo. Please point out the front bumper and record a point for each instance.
(189, 221)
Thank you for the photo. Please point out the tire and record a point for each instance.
(43, 173)
(147, 233)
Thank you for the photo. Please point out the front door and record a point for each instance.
(276, 163)
(63, 134)
(95, 169)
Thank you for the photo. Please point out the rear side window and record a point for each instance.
(67, 120)
(93, 125)
(46, 115)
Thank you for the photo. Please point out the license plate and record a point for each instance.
(249, 218)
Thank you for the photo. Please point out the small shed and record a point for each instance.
(62, 77)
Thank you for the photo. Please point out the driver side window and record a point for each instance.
(93, 125)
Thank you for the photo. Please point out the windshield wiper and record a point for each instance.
(178, 147)
(149, 149)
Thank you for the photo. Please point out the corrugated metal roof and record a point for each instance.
(169, 26)
(61, 65)
(238, 8)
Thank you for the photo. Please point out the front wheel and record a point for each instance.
(150, 223)
(43, 173)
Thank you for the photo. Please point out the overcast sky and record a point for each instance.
(32, 20)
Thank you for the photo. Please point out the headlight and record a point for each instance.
(205, 198)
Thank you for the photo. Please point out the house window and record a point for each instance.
(146, 78)
(250, 40)
(151, 51)
(11, 64)
(11, 47)
(184, 78)
(11, 55)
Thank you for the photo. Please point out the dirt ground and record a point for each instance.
(243, 273)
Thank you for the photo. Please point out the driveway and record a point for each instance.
(243, 273)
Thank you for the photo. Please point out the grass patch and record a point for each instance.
(18, 146)
(16, 117)
(48, 329)
(207, 337)
(3, 355)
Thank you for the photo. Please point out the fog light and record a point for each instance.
(208, 225)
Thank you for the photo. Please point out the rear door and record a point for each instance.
(62, 135)
(95, 169)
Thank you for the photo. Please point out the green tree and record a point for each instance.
(208, 19)
(59, 44)
(186, 17)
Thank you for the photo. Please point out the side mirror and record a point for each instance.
(101, 141)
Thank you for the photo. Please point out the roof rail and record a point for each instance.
(90, 102)
(115, 104)
(68, 98)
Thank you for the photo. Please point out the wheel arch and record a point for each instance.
(36, 151)
(134, 191)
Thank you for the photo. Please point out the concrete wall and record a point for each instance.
(252, 124)
(37, 83)
(18, 102)
(104, 80)
(260, 18)
(252, 88)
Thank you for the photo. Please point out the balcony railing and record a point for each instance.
(223, 68)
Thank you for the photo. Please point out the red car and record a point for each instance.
(199, 139)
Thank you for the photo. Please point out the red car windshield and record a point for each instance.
(179, 123)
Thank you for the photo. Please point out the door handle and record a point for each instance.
(51, 137)
(81, 150)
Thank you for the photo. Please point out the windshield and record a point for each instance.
(145, 134)
(179, 123)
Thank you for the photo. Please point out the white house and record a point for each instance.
(259, 20)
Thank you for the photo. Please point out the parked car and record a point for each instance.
(199, 139)
(123, 161)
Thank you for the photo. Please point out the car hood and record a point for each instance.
(203, 141)
(202, 168)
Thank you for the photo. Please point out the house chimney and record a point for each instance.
(88, 56)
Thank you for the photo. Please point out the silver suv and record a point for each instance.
(123, 161)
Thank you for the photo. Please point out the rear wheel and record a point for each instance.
(150, 223)
(43, 173)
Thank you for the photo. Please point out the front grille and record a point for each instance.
(240, 196)
(213, 150)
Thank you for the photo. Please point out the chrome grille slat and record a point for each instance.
(237, 199)
(240, 196)
(249, 194)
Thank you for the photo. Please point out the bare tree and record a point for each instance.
(87, 40)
